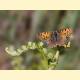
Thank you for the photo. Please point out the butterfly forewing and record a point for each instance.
(44, 36)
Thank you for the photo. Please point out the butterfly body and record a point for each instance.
(56, 38)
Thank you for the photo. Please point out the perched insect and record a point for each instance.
(56, 38)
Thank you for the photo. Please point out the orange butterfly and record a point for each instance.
(56, 38)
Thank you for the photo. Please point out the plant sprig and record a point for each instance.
(45, 52)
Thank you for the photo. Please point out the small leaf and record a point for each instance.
(56, 55)
(50, 55)
(24, 47)
(29, 43)
(20, 50)
(44, 50)
(11, 51)
(40, 44)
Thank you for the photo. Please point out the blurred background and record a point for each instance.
(18, 27)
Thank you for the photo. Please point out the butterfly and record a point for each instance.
(56, 38)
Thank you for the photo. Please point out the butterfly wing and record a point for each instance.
(61, 38)
(66, 36)
(44, 37)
